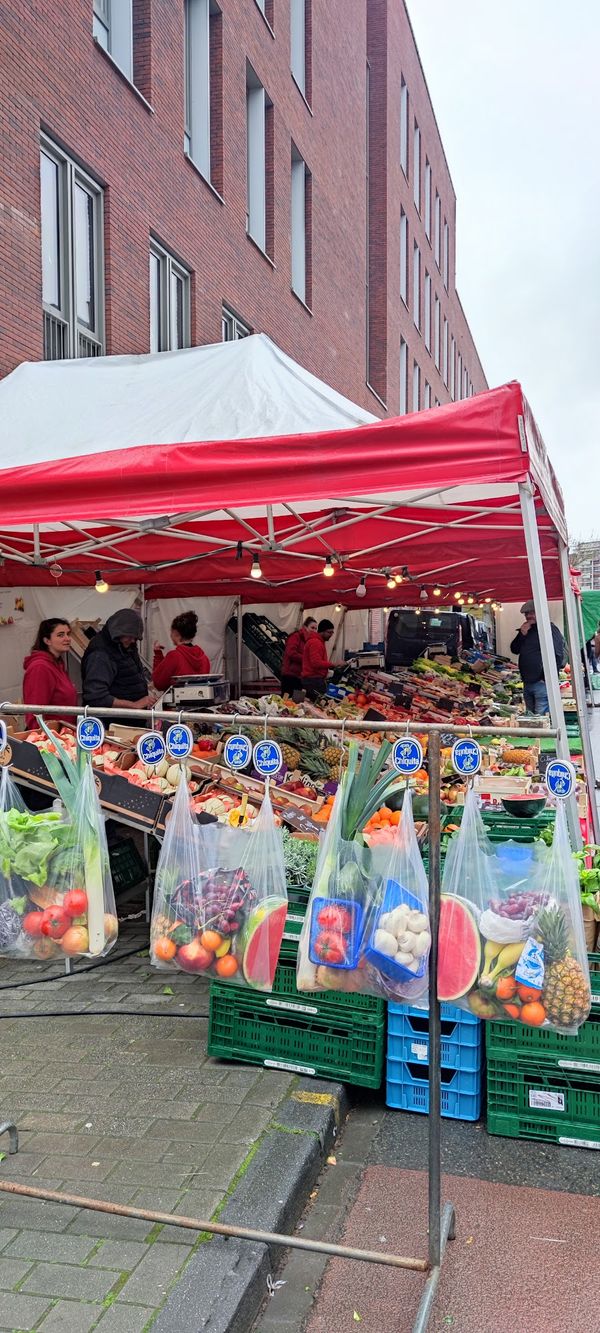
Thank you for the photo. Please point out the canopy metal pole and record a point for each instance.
(239, 645)
(540, 598)
(579, 688)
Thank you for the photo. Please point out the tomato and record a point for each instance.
(32, 923)
(335, 918)
(55, 921)
(75, 940)
(75, 902)
(193, 957)
(330, 947)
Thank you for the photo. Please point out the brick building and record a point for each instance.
(178, 171)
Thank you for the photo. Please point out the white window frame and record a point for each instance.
(437, 229)
(453, 368)
(427, 316)
(465, 383)
(298, 43)
(403, 376)
(446, 255)
(416, 387)
(437, 329)
(404, 126)
(445, 353)
(428, 182)
(459, 376)
(232, 327)
(198, 76)
(113, 30)
(404, 257)
(416, 286)
(65, 334)
(417, 167)
(427, 395)
(256, 160)
(170, 269)
(299, 173)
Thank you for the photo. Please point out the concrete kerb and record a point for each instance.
(225, 1282)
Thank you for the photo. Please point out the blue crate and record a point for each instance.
(407, 1089)
(462, 1044)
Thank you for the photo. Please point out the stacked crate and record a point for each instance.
(325, 1033)
(462, 1058)
(543, 1085)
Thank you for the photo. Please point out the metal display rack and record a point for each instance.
(441, 1217)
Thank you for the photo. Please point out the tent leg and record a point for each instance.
(540, 598)
(579, 687)
(239, 647)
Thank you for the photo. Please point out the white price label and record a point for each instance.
(419, 1050)
(298, 1008)
(546, 1101)
(290, 1069)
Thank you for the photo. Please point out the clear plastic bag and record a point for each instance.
(56, 895)
(220, 900)
(367, 925)
(511, 944)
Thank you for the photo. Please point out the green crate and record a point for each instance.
(508, 1040)
(537, 1098)
(329, 1043)
(284, 985)
(568, 1134)
(127, 866)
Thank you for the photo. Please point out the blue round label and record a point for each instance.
(407, 755)
(466, 757)
(90, 733)
(151, 747)
(268, 758)
(180, 741)
(560, 778)
(238, 751)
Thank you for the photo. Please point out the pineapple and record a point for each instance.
(566, 996)
(291, 757)
(332, 755)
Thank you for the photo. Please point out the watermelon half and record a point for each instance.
(459, 949)
(260, 942)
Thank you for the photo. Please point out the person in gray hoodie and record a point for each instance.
(112, 671)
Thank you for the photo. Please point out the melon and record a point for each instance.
(259, 942)
(459, 949)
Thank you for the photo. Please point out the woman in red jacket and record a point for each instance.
(291, 667)
(46, 680)
(185, 659)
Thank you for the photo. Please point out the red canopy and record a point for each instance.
(436, 492)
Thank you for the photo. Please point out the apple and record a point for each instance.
(193, 957)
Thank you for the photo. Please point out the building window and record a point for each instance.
(266, 9)
(300, 229)
(452, 368)
(404, 127)
(437, 231)
(437, 331)
(71, 207)
(417, 286)
(169, 301)
(232, 328)
(113, 29)
(417, 168)
(459, 377)
(404, 256)
(427, 200)
(259, 177)
(465, 383)
(203, 138)
(427, 395)
(445, 353)
(446, 254)
(300, 45)
(416, 394)
(403, 376)
(427, 320)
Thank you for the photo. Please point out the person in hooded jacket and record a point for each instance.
(185, 658)
(112, 669)
(46, 680)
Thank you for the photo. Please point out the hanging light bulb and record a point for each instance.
(423, 593)
(417, 610)
(386, 610)
(101, 584)
(461, 601)
(488, 601)
(391, 583)
(437, 592)
(256, 571)
(337, 607)
(361, 591)
(457, 595)
(397, 579)
(328, 568)
(55, 570)
(494, 606)
(470, 599)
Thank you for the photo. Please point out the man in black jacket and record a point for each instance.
(526, 645)
(112, 670)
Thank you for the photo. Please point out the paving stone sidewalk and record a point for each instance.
(118, 1107)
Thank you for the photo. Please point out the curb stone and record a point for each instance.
(223, 1286)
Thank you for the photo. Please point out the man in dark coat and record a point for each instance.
(526, 645)
(112, 670)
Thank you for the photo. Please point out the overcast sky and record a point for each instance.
(516, 91)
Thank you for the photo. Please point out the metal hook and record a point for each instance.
(85, 711)
(266, 722)
(179, 722)
(152, 718)
(341, 772)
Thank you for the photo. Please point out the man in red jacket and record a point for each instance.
(315, 662)
(291, 667)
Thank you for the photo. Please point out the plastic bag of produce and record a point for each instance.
(398, 937)
(220, 897)
(81, 916)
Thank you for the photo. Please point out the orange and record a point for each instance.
(506, 988)
(396, 817)
(227, 966)
(533, 1014)
(211, 940)
(164, 948)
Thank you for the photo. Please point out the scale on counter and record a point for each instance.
(194, 692)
